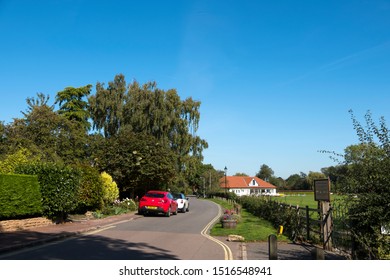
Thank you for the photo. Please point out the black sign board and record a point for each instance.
(322, 190)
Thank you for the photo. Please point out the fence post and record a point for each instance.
(272, 247)
(326, 225)
(307, 223)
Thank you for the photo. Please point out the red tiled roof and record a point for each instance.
(234, 182)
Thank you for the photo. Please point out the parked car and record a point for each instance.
(182, 202)
(158, 202)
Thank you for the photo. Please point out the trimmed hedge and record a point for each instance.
(20, 196)
(273, 212)
(59, 188)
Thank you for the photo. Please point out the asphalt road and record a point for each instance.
(179, 237)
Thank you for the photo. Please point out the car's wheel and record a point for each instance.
(175, 213)
(188, 209)
(168, 214)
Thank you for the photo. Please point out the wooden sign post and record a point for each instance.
(322, 195)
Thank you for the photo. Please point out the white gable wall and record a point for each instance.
(252, 191)
(253, 183)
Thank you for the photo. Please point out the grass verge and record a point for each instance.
(250, 227)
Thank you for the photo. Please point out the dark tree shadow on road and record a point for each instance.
(82, 247)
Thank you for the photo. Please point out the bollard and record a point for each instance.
(272, 247)
(318, 254)
(280, 231)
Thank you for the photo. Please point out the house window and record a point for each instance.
(253, 182)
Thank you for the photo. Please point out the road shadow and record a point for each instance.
(288, 251)
(80, 247)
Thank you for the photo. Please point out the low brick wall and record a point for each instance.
(23, 224)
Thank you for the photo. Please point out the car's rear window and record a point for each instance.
(176, 195)
(155, 195)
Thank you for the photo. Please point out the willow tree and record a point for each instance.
(152, 111)
(106, 106)
(164, 115)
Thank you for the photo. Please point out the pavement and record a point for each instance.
(16, 240)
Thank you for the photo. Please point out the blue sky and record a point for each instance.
(276, 78)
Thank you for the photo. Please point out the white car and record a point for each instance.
(183, 204)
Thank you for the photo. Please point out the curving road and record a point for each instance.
(179, 237)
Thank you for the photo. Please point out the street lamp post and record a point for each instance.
(225, 182)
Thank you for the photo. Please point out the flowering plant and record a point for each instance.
(126, 203)
(230, 215)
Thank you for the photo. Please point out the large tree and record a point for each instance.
(46, 133)
(265, 173)
(149, 110)
(137, 162)
(106, 106)
(74, 106)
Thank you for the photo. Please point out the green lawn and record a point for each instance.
(250, 227)
(302, 199)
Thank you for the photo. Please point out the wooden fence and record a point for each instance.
(310, 223)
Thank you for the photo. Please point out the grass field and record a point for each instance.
(302, 199)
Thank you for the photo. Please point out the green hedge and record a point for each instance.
(273, 212)
(20, 196)
(59, 187)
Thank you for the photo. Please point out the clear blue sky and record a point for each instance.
(276, 78)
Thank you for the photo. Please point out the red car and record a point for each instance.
(157, 202)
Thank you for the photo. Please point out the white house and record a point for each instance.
(242, 185)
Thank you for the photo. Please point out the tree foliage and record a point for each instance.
(74, 106)
(106, 106)
(146, 109)
(47, 134)
(145, 137)
(137, 162)
(366, 181)
(13, 160)
(265, 173)
(298, 182)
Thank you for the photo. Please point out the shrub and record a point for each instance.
(11, 161)
(19, 196)
(90, 192)
(117, 208)
(58, 184)
(127, 204)
(230, 215)
(110, 189)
